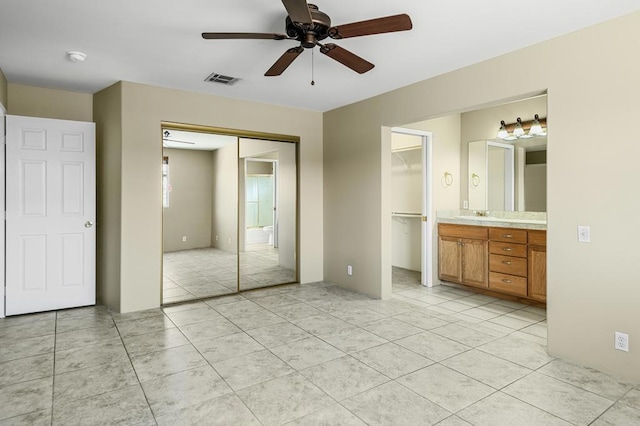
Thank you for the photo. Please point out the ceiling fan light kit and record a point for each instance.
(308, 25)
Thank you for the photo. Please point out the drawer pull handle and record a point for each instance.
(506, 281)
(507, 248)
(507, 236)
(506, 262)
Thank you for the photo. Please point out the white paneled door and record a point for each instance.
(50, 221)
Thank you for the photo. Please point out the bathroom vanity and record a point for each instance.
(496, 255)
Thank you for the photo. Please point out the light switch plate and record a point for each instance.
(584, 234)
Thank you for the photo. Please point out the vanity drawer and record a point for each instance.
(508, 265)
(538, 238)
(508, 283)
(462, 231)
(509, 235)
(509, 249)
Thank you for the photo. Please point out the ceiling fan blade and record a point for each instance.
(387, 24)
(250, 36)
(298, 11)
(284, 61)
(346, 58)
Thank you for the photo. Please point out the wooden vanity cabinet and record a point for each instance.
(537, 256)
(462, 254)
(503, 260)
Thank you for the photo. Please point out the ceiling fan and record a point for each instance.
(308, 25)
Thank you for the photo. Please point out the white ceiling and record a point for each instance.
(158, 42)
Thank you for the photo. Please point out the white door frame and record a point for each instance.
(428, 215)
(275, 193)
(509, 174)
(3, 137)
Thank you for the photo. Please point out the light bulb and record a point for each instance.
(518, 131)
(536, 127)
(503, 133)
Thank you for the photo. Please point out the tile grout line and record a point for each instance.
(153, 415)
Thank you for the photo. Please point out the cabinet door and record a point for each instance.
(474, 263)
(538, 273)
(449, 259)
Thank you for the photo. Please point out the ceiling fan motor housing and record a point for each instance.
(308, 35)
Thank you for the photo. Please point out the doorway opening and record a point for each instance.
(411, 224)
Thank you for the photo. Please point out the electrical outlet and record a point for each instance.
(184, 238)
(216, 238)
(229, 240)
(465, 204)
(349, 270)
(622, 342)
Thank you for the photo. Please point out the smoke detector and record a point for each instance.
(75, 56)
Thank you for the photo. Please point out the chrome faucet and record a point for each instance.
(480, 213)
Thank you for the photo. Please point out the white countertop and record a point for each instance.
(524, 220)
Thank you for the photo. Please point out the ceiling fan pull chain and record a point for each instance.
(313, 83)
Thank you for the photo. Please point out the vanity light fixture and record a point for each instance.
(518, 131)
(503, 133)
(536, 127)
(522, 129)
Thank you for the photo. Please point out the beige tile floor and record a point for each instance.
(302, 355)
(208, 272)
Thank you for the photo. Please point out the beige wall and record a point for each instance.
(592, 288)
(3, 90)
(108, 113)
(49, 103)
(143, 109)
(190, 201)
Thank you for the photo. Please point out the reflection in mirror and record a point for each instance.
(491, 176)
(508, 177)
(535, 179)
(200, 198)
(267, 221)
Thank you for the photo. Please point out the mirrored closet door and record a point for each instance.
(200, 198)
(267, 177)
(229, 214)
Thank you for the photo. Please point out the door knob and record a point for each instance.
(88, 224)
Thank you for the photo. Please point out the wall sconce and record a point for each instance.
(522, 129)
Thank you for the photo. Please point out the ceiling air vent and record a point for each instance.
(223, 79)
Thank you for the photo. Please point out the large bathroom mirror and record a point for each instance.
(200, 199)
(267, 176)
